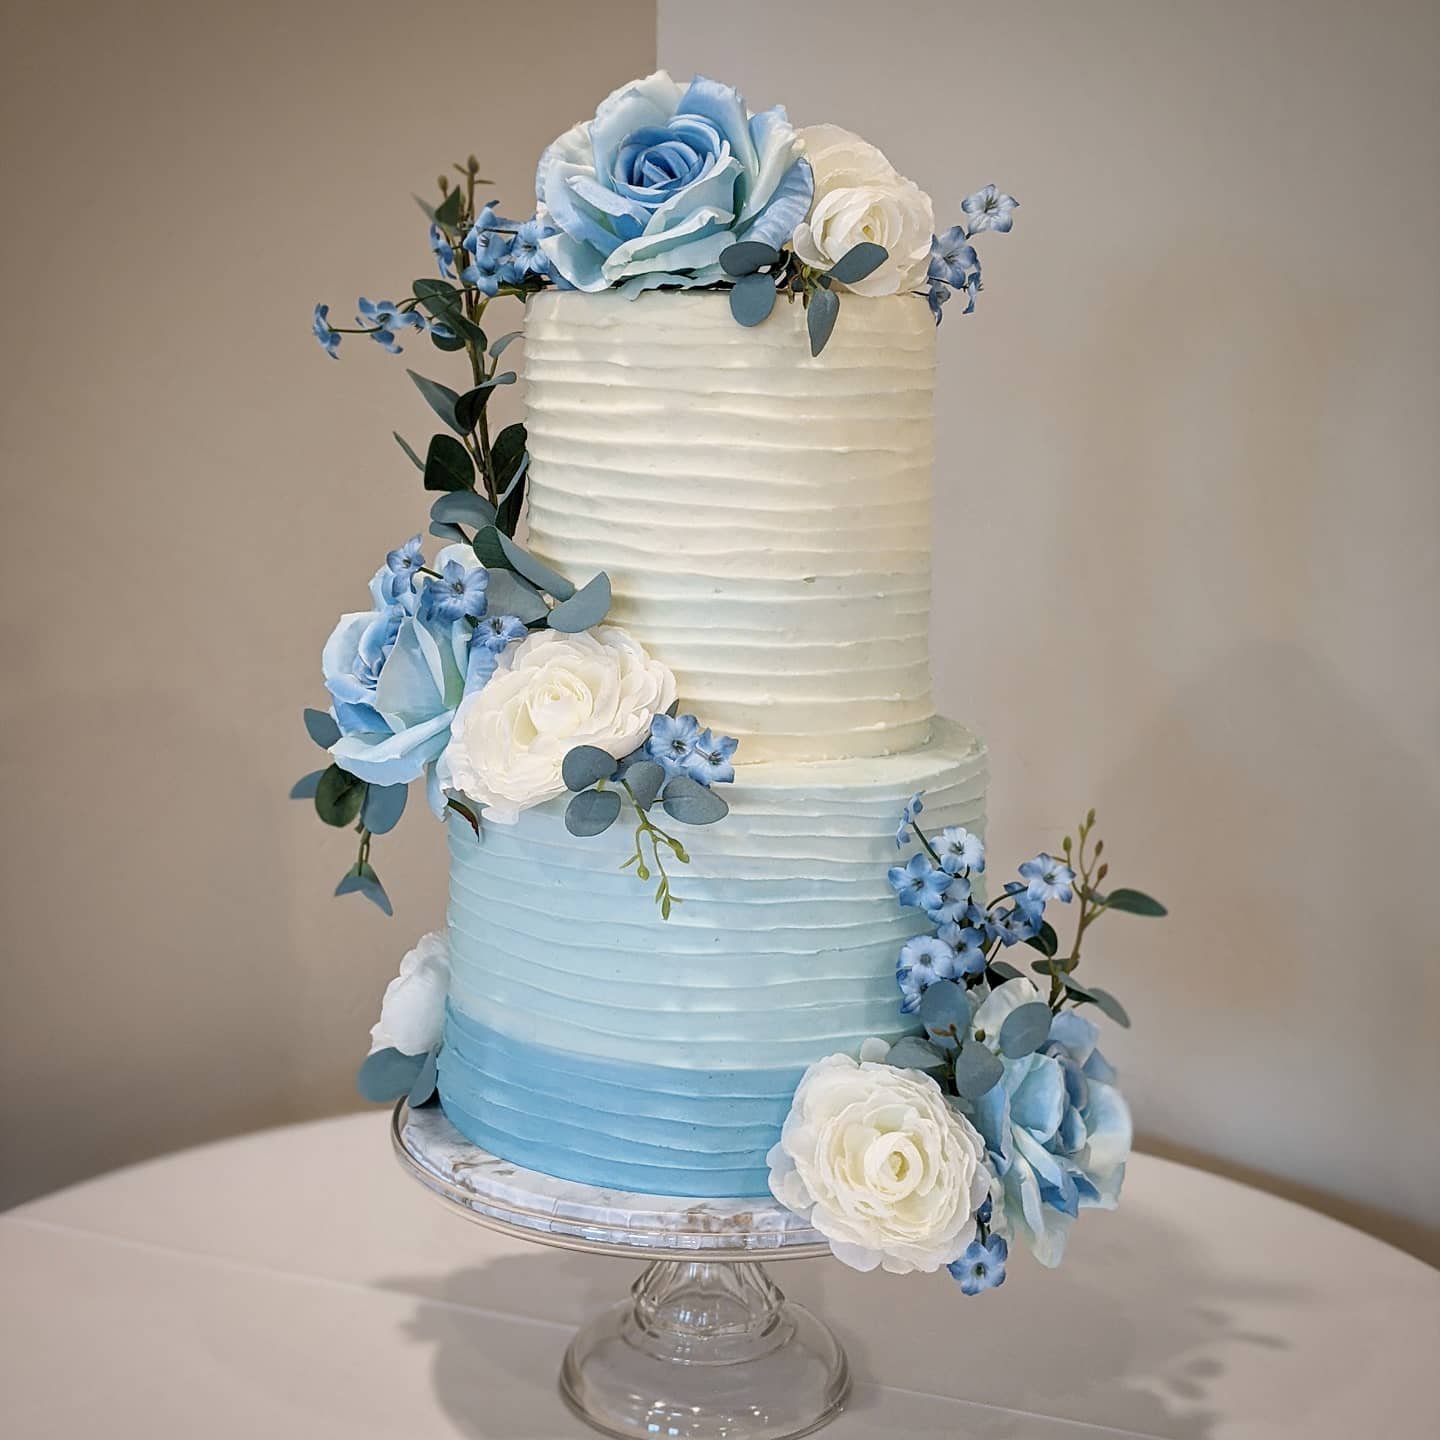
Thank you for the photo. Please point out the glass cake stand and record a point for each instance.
(706, 1347)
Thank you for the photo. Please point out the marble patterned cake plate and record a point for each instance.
(706, 1347)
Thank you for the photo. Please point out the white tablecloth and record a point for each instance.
(296, 1283)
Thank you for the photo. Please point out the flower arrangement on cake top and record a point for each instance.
(450, 674)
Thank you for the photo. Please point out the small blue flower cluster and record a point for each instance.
(982, 1266)
(683, 748)
(937, 880)
(954, 265)
(497, 252)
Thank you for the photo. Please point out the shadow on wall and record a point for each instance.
(1138, 1327)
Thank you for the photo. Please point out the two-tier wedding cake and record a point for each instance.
(667, 681)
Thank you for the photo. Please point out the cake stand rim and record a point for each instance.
(686, 1244)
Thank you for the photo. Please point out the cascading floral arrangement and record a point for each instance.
(1002, 1118)
(668, 186)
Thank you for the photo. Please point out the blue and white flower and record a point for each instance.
(982, 1266)
(672, 741)
(923, 960)
(913, 806)
(387, 321)
(960, 851)
(526, 256)
(952, 258)
(662, 180)
(1057, 1130)
(969, 946)
(329, 338)
(952, 904)
(488, 245)
(443, 251)
(988, 209)
(396, 677)
(404, 564)
(711, 759)
(1048, 878)
(492, 635)
(460, 591)
(918, 884)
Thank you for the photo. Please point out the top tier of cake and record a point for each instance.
(764, 516)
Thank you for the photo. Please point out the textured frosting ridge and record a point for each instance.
(590, 1040)
(763, 516)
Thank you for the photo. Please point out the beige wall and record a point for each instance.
(191, 493)
(1189, 520)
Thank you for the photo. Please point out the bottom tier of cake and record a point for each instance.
(590, 1039)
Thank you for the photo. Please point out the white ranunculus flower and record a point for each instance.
(881, 1163)
(412, 1014)
(550, 693)
(859, 196)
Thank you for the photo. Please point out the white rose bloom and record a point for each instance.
(881, 1163)
(859, 196)
(412, 1014)
(550, 693)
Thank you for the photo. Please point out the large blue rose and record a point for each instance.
(652, 189)
(1056, 1128)
(396, 677)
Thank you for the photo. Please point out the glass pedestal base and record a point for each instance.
(705, 1351)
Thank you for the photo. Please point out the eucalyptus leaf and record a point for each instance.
(586, 765)
(977, 1071)
(645, 777)
(442, 530)
(387, 1075)
(820, 318)
(409, 449)
(423, 1090)
(592, 812)
(471, 405)
(440, 398)
(858, 262)
(306, 786)
(747, 256)
(446, 340)
(505, 342)
(320, 726)
(488, 550)
(912, 1053)
(439, 298)
(383, 807)
(466, 814)
(463, 507)
(469, 330)
(507, 455)
(587, 607)
(1133, 902)
(517, 481)
(447, 212)
(1025, 1029)
(1005, 970)
(1110, 1006)
(507, 594)
(689, 802)
(752, 299)
(1047, 942)
(364, 881)
(537, 572)
(448, 465)
(945, 1006)
(339, 796)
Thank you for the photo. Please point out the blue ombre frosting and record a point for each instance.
(590, 1040)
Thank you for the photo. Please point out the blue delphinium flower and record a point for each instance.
(1048, 878)
(387, 320)
(988, 209)
(492, 635)
(710, 760)
(526, 257)
(952, 258)
(672, 741)
(959, 850)
(443, 251)
(403, 565)
(923, 960)
(488, 246)
(1026, 905)
(913, 806)
(1009, 927)
(968, 944)
(918, 884)
(952, 904)
(937, 295)
(982, 1266)
(329, 339)
(458, 592)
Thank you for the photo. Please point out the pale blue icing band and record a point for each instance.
(625, 1126)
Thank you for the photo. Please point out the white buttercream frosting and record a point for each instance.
(764, 516)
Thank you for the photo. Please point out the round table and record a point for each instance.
(296, 1283)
